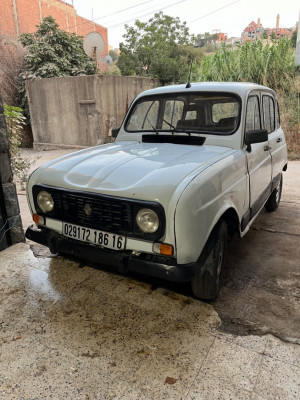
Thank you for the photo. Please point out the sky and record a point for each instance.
(228, 16)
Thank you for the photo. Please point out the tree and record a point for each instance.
(202, 39)
(294, 39)
(52, 52)
(264, 35)
(273, 36)
(113, 55)
(155, 49)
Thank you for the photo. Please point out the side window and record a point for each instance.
(277, 116)
(269, 113)
(224, 110)
(253, 114)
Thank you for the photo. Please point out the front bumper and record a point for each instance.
(151, 265)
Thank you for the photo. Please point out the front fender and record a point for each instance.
(222, 186)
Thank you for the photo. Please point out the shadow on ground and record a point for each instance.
(260, 292)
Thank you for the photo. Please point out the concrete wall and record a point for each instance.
(10, 219)
(80, 111)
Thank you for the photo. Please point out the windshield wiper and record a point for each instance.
(175, 129)
(154, 129)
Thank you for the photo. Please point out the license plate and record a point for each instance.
(100, 238)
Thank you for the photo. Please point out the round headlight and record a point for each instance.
(45, 201)
(147, 220)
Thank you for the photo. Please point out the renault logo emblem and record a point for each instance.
(87, 209)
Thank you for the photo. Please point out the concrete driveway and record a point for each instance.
(71, 331)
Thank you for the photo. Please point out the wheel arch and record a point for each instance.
(231, 217)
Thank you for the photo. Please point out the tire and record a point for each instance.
(274, 200)
(206, 284)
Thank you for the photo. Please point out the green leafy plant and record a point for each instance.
(156, 49)
(52, 52)
(271, 65)
(15, 120)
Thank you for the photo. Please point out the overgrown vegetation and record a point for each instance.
(11, 64)
(15, 120)
(160, 48)
(52, 52)
(272, 65)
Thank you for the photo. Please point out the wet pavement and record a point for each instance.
(72, 331)
(261, 292)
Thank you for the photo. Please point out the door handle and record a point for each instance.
(278, 140)
(267, 148)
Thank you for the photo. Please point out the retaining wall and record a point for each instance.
(80, 111)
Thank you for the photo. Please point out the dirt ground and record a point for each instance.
(261, 288)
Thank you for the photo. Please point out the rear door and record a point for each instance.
(259, 158)
(271, 123)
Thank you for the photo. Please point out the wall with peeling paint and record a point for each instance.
(80, 111)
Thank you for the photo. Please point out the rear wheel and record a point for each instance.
(206, 284)
(274, 200)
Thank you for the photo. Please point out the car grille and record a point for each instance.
(106, 214)
(98, 211)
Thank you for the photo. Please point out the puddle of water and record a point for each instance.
(39, 283)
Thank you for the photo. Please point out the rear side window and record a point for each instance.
(224, 110)
(277, 116)
(269, 113)
(253, 114)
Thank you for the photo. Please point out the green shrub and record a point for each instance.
(15, 120)
(271, 65)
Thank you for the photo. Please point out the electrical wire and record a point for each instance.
(114, 13)
(140, 16)
(213, 12)
(148, 13)
(14, 223)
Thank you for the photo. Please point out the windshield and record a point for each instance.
(215, 113)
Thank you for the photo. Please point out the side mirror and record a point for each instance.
(114, 132)
(255, 136)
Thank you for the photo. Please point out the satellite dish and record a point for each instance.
(108, 60)
(93, 44)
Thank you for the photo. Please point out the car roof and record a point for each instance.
(239, 88)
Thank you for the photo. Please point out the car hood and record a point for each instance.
(145, 171)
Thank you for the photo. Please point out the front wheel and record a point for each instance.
(206, 284)
(273, 201)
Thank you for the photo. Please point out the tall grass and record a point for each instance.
(270, 65)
